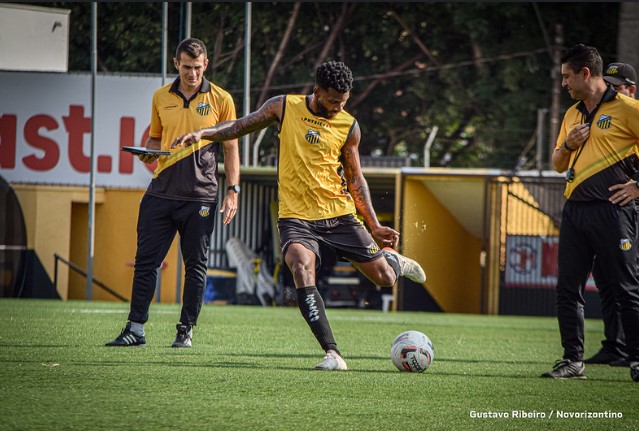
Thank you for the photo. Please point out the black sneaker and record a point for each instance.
(184, 335)
(634, 371)
(602, 357)
(566, 369)
(128, 339)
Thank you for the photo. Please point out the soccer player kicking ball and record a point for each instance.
(321, 187)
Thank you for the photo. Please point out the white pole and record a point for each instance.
(91, 215)
(178, 267)
(256, 146)
(428, 144)
(165, 37)
(187, 26)
(541, 114)
(247, 79)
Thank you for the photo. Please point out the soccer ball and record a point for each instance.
(412, 351)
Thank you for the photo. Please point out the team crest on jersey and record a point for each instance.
(625, 244)
(372, 248)
(204, 211)
(312, 137)
(604, 122)
(203, 109)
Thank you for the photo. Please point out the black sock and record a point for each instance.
(311, 305)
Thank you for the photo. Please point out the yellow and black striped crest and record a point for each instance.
(312, 137)
(604, 122)
(203, 109)
(204, 211)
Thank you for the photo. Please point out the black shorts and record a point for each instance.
(345, 235)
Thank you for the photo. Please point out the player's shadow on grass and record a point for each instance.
(218, 362)
(386, 358)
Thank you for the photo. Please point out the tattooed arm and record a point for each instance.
(358, 188)
(270, 111)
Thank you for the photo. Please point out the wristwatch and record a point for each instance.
(235, 188)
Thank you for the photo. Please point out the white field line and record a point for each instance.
(123, 311)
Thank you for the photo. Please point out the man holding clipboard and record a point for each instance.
(183, 193)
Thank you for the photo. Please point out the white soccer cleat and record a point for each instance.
(332, 362)
(408, 267)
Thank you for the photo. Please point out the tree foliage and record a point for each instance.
(477, 71)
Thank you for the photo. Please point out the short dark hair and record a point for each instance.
(192, 47)
(580, 56)
(335, 75)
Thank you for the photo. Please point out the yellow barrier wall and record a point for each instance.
(56, 222)
(47, 216)
(115, 247)
(453, 265)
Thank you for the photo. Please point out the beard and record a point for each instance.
(323, 112)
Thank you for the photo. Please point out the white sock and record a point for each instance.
(137, 329)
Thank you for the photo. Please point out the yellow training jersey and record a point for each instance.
(189, 173)
(310, 175)
(609, 156)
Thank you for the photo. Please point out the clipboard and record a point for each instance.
(142, 150)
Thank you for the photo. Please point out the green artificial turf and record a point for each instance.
(251, 368)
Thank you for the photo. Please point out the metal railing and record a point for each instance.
(79, 270)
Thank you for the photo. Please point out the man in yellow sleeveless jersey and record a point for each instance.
(321, 186)
(622, 77)
(597, 148)
(183, 194)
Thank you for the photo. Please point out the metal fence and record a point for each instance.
(529, 238)
(253, 224)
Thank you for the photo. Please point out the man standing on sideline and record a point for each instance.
(183, 194)
(622, 78)
(320, 188)
(597, 148)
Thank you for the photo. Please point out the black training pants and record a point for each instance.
(609, 232)
(158, 221)
(614, 341)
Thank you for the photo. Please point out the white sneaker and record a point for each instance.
(408, 267)
(332, 362)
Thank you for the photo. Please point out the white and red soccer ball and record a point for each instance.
(412, 351)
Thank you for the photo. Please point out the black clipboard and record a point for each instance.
(142, 150)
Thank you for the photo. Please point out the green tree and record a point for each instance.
(477, 71)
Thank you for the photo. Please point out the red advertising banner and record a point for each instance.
(531, 262)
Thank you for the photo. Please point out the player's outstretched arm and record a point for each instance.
(270, 111)
(358, 188)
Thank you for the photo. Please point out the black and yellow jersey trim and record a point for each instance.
(190, 173)
(609, 156)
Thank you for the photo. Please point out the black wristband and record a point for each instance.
(564, 145)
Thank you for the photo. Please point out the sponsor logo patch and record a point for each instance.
(313, 122)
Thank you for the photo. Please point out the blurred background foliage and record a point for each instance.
(477, 71)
